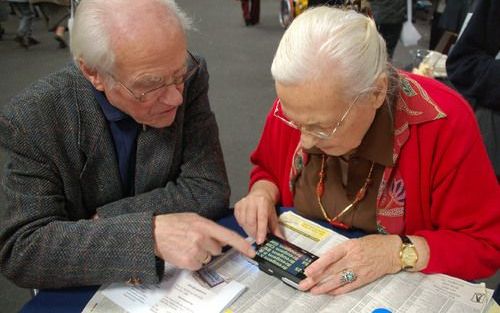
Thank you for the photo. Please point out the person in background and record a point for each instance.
(57, 15)
(251, 11)
(363, 145)
(473, 67)
(25, 30)
(438, 7)
(314, 3)
(114, 165)
(4, 14)
(454, 14)
(389, 16)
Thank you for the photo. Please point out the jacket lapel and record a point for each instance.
(99, 176)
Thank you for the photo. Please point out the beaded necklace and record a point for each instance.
(320, 189)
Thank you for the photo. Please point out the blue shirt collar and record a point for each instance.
(111, 113)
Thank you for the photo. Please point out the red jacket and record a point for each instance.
(452, 195)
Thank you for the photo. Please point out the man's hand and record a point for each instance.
(189, 241)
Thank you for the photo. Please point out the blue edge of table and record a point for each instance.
(69, 300)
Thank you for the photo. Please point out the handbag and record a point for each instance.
(409, 35)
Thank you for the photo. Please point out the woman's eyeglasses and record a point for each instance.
(314, 130)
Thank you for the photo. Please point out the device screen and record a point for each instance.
(285, 256)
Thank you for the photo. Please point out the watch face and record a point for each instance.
(409, 256)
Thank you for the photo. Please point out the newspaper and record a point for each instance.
(401, 292)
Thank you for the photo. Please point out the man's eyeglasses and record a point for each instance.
(160, 82)
(314, 130)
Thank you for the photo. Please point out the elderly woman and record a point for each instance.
(359, 144)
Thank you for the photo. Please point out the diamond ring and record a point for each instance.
(347, 277)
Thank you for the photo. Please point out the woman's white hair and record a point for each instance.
(327, 43)
(89, 34)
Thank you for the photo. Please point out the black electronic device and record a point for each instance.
(283, 260)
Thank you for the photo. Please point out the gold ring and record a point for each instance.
(207, 259)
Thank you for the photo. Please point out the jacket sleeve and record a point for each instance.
(42, 246)
(199, 183)
(472, 65)
(271, 158)
(263, 165)
(463, 199)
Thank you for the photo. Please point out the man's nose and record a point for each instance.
(172, 95)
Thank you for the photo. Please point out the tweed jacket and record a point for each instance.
(62, 168)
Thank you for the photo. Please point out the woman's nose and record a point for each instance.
(308, 141)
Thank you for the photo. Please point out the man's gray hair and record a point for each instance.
(89, 35)
(327, 43)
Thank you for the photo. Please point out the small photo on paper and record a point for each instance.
(208, 277)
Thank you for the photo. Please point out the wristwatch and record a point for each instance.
(407, 254)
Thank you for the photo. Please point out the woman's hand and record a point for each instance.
(369, 258)
(256, 212)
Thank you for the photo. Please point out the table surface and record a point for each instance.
(73, 300)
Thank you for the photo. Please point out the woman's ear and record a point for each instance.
(92, 75)
(381, 85)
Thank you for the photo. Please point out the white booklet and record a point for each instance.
(179, 291)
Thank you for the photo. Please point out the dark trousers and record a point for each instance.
(391, 34)
(26, 22)
(251, 11)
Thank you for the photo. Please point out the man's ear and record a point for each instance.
(92, 75)
(381, 85)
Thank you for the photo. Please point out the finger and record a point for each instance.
(320, 269)
(274, 225)
(240, 214)
(325, 261)
(328, 283)
(238, 208)
(312, 281)
(206, 258)
(262, 216)
(251, 222)
(213, 247)
(347, 287)
(226, 236)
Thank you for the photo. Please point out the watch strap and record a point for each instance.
(405, 240)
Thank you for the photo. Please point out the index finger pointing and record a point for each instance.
(229, 237)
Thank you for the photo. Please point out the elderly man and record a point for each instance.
(113, 162)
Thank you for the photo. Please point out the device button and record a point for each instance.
(290, 283)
